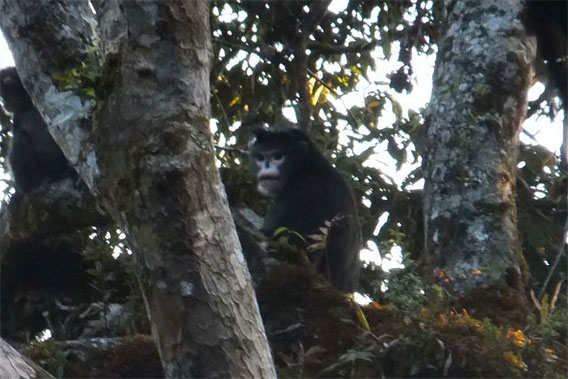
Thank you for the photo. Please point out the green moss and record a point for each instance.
(49, 356)
(79, 80)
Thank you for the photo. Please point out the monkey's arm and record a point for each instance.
(303, 207)
(24, 163)
(343, 247)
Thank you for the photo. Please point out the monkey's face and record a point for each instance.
(269, 166)
(277, 158)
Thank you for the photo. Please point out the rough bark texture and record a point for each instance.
(483, 72)
(160, 182)
(51, 39)
(13, 365)
(148, 157)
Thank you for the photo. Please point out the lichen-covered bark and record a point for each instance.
(148, 157)
(483, 72)
(51, 39)
(15, 365)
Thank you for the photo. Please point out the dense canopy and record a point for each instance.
(355, 75)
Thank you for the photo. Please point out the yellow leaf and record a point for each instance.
(374, 104)
(316, 95)
(343, 80)
(235, 100)
(311, 84)
(356, 70)
(279, 231)
(359, 312)
(514, 361)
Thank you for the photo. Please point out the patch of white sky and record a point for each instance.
(377, 80)
(6, 60)
(540, 130)
(117, 248)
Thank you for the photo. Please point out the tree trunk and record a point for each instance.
(483, 72)
(148, 156)
(14, 365)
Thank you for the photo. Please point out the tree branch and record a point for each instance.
(49, 38)
(50, 209)
(339, 49)
(561, 251)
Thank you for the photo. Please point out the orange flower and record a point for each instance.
(514, 361)
(518, 337)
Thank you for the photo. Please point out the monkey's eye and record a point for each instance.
(277, 156)
(259, 157)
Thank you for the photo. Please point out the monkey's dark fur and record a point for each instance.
(34, 157)
(311, 192)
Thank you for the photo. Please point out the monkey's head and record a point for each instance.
(13, 94)
(276, 156)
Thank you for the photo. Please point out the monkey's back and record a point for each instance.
(318, 195)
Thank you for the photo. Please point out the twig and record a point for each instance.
(530, 135)
(340, 49)
(535, 301)
(556, 260)
(232, 149)
(555, 295)
(534, 105)
(222, 109)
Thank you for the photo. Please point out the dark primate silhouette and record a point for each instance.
(307, 191)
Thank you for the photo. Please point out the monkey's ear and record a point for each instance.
(252, 140)
(9, 76)
(301, 138)
(256, 135)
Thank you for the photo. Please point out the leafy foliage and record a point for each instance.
(50, 356)
(260, 72)
(295, 59)
(83, 78)
(260, 75)
(298, 60)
